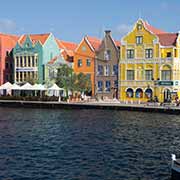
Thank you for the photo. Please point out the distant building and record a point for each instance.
(106, 68)
(84, 58)
(31, 53)
(7, 43)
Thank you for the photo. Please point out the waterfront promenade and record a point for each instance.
(148, 107)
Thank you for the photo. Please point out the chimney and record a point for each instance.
(108, 32)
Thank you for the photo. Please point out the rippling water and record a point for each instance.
(86, 144)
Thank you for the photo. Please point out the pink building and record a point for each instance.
(7, 43)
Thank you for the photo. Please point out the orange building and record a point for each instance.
(84, 57)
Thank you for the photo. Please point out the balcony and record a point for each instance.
(149, 60)
(136, 83)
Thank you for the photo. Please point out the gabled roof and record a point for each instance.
(67, 48)
(168, 39)
(118, 43)
(94, 42)
(152, 29)
(66, 45)
(34, 38)
(8, 40)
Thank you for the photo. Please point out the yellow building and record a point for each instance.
(149, 64)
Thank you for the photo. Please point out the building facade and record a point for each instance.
(150, 64)
(7, 43)
(84, 58)
(106, 68)
(51, 68)
(31, 54)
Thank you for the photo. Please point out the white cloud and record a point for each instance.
(123, 29)
(7, 25)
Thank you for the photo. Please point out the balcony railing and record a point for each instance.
(151, 60)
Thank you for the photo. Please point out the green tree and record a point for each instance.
(66, 78)
(83, 83)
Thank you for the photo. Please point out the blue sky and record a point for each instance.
(72, 19)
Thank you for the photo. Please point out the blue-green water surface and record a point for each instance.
(86, 144)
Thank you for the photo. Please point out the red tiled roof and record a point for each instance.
(8, 40)
(117, 43)
(66, 45)
(153, 29)
(168, 39)
(69, 45)
(35, 38)
(95, 42)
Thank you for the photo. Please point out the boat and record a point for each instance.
(175, 168)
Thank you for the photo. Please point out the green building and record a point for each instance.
(31, 53)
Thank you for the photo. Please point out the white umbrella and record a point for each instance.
(55, 87)
(54, 90)
(15, 87)
(27, 86)
(38, 87)
(7, 85)
(6, 88)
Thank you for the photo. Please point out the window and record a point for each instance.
(100, 86)
(79, 62)
(149, 53)
(130, 74)
(88, 76)
(7, 77)
(17, 76)
(169, 54)
(139, 39)
(108, 86)
(116, 84)
(88, 62)
(21, 61)
(148, 75)
(17, 61)
(25, 64)
(33, 61)
(107, 55)
(139, 26)
(7, 53)
(100, 70)
(11, 66)
(166, 75)
(115, 69)
(107, 70)
(7, 65)
(29, 61)
(130, 53)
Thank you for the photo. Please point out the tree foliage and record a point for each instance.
(67, 79)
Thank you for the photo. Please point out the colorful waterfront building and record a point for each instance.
(7, 43)
(67, 49)
(106, 68)
(65, 57)
(149, 64)
(31, 53)
(84, 58)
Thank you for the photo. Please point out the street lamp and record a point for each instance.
(155, 82)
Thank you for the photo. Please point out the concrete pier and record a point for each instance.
(88, 105)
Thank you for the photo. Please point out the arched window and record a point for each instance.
(166, 73)
(148, 93)
(129, 93)
(139, 93)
